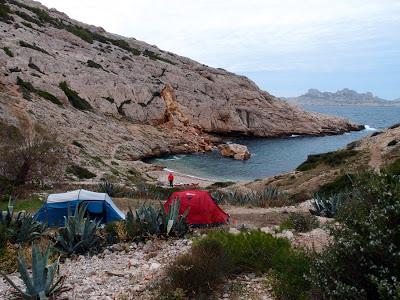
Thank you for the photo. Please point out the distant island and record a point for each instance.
(341, 98)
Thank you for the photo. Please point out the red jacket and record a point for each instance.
(170, 177)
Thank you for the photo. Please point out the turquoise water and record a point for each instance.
(275, 156)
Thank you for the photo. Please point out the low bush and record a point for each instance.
(78, 144)
(340, 184)
(393, 168)
(222, 254)
(80, 172)
(300, 222)
(116, 232)
(50, 97)
(199, 271)
(93, 64)
(8, 51)
(363, 262)
(74, 98)
(392, 143)
(249, 251)
(271, 196)
(81, 32)
(376, 133)
(155, 56)
(330, 158)
(26, 88)
(220, 184)
(288, 276)
(5, 13)
(28, 18)
(34, 47)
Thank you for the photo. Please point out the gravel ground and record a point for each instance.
(123, 272)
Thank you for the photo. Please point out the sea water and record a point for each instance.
(278, 155)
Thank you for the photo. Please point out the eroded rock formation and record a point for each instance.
(124, 99)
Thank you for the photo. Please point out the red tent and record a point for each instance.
(202, 208)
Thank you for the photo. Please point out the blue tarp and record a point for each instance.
(99, 206)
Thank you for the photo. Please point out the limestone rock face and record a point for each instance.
(236, 151)
(139, 101)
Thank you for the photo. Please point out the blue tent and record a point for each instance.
(99, 206)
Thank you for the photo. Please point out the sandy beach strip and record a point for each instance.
(180, 178)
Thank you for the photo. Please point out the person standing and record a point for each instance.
(171, 179)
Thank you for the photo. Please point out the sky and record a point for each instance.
(285, 46)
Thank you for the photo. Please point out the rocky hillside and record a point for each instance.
(118, 99)
(341, 98)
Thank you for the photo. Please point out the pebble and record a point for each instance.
(118, 275)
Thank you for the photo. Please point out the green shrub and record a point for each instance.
(8, 51)
(340, 184)
(250, 251)
(155, 56)
(26, 88)
(198, 271)
(115, 232)
(73, 97)
(34, 47)
(78, 144)
(3, 237)
(80, 172)
(80, 32)
(364, 261)
(330, 158)
(289, 280)
(93, 64)
(271, 196)
(300, 222)
(393, 168)
(28, 18)
(109, 99)
(5, 13)
(392, 143)
(221, 254)
(49, 96)
(220, 184)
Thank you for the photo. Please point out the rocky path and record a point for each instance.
(122, 272)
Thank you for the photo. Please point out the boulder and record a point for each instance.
(236, 151)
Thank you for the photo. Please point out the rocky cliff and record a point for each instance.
(121, 99)
(341, 98)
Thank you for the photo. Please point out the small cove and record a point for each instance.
(278, 155)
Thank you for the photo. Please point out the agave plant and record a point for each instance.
(79, 234)
(43, 283)
(172, 221)
(26, 229)
(132, 229)
(149, 220)
(107, 187)
(6, 217)
(326, 207)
